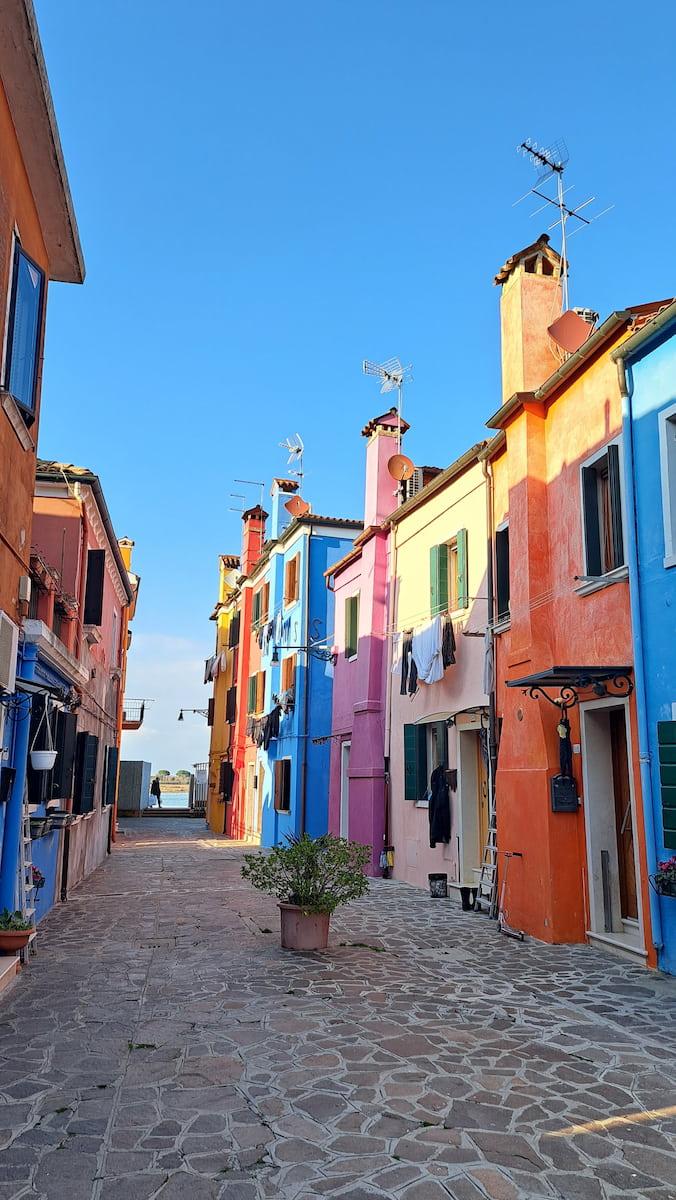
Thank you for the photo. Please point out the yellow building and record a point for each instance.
(222, 669)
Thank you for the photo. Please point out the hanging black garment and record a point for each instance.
(439, 808)
(565, 747)
(271, 729)
(448, 643)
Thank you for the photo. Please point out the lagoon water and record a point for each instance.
(171, 800)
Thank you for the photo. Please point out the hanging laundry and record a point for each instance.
(489, 664)
(409, 671)
(397, 642)
(439, 811)
(207, 669)
(448, 643)
(271, 726)
(426, 650)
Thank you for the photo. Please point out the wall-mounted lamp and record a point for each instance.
(321, 652)
(203, 712)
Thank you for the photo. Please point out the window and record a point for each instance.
(666, 744)
(291, 580)
(502, 573)
(110, 775)
(602, 513)
(86, 754)
(288, 673)
(282, 792)
(233, 632)
(251, 694)
(26, 304)
(260, 691)
(352, 626)
(231, 705)
(261, 605)
(425, 747)
(667, 423)
(448, 575)
(93, 605)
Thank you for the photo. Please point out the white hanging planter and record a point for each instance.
(43, 760)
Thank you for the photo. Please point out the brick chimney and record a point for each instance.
(281, 491)
(530, 301)
(382, 491)
(253, 537)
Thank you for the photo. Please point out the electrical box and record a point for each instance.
(563, 793)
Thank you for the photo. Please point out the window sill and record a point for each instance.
(16, 421)
(502, 626)
(669, 561)
(603, 581)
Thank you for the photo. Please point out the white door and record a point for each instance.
(344, 789)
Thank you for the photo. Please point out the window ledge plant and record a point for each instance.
(664, 879)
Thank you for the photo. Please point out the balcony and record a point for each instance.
(132, 713)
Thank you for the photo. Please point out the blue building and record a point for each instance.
(647, 367)
(293, 624)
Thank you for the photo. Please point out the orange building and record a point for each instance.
(568, 795)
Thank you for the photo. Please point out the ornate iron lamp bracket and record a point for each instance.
(567, 698)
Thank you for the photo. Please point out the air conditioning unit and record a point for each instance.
(9, 641)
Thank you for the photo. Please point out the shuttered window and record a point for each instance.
(288, 673)
(233, 632)
(260, 691)
(448, 575)
(87, 749)
(251, 694)
(291, 580)
(112, 756)
(602, 513)
(282, 791)
(415, 762)
(502, 573)
(231, 705)
(93, 605)
(64, 744)
(226, 778)
(352, 626)
(666, 744)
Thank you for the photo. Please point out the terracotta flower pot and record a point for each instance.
(12, 940)
(303, 931)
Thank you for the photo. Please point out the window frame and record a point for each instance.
(594, 549)
(288, 673)
(667, 439)
(449, 591)
(282, 785)
(26, 404)
(291, 579)
(502, 576)
(352, 626)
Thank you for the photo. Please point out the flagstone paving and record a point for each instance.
(161, 1044)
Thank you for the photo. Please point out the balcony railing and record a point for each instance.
(132, 713)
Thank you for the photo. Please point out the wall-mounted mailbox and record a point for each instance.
(563, 793)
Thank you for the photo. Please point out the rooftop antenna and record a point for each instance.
(253, 483)
(237, 496)
(550, 162)
(295, 452)
(392, 375)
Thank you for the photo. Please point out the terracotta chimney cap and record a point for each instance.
(539, 249)
(256, 511)
(284, 485)
(388, 420)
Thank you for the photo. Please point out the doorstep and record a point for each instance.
(9, 969)
(623, 945)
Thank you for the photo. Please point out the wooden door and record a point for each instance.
(623, 816)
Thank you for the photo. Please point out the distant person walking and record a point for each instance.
(156, 791)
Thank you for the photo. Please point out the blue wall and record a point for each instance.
(652, 375)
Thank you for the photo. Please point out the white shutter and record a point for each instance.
(9, 641)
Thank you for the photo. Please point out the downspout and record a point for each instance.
(639, 658)
(487, 469)
(303, 726)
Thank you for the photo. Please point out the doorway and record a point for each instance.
(474, 803)
(344, 789)
(610, 820)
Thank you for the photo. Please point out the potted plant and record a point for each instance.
(664, 879)
(15, 931)
(310, 877)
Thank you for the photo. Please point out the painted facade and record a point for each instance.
(39, 242)
(563, 628)
(285, 675)
(358, 795)
(439, 822)
(647, 377)
(221, 668)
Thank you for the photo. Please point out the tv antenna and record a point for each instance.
(295, 452)
(550, 162)
(237, 496)
(392, 375)
(252, 483)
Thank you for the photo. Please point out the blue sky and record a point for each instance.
(268, 193)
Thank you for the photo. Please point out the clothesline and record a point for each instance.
(417, 620)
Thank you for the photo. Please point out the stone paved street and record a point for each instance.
(161, 1044)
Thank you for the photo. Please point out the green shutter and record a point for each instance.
(438, 579)
(463, 589)
(251, 694)
(666, 742)
(415, 762)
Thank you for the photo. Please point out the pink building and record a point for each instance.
(361, 582)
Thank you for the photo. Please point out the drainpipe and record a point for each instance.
(303, 729)
(487, 469)
(13, 831)
(639, 659)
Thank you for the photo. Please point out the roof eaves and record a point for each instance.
(646, 334)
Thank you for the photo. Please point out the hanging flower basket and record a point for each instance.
(664, 879)
(43, 760)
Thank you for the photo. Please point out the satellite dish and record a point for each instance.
(297, 506)
(570, 331)
(400, 467)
